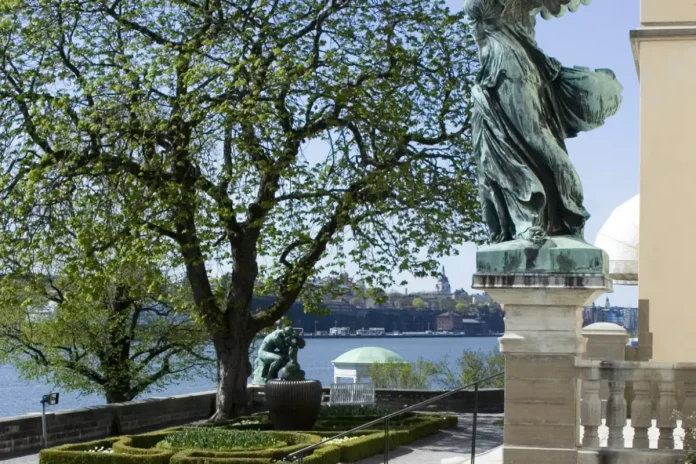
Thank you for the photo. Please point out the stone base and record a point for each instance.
(543, 290)
(520, 455)
(630, 456)
(562, 255)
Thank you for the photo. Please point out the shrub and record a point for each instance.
(292, 442)
(325, 455)
(79, 454)
(144, 444)
(473, 366)
(353, 410)
(218, 439)
(404, 375)
(211, 457)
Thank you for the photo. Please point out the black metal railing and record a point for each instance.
(298, 456)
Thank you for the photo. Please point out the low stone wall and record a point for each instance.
(490, 400)
(23, 433)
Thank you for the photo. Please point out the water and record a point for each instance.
(20, 397)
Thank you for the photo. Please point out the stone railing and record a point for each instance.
(650, 406)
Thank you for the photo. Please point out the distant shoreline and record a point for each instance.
(404, 335)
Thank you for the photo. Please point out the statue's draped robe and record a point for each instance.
(525, 105)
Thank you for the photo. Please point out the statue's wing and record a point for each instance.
(519, 9)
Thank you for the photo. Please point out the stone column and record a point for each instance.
(543, 290)
(607, 342)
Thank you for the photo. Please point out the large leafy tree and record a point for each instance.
(99, 336)
(272, 140)
(86, 306)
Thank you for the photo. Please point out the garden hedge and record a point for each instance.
(142, 449)
(79, 454)
(296, 441)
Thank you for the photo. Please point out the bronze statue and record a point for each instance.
(278, 351)
(525, 105)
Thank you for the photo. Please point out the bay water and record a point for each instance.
(19, 397)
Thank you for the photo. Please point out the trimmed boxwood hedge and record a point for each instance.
(295, 441)
(141, 449)
(211, 457)
(79, 454)
(328, 454)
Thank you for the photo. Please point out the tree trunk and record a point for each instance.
(116, 397)
(234, 370)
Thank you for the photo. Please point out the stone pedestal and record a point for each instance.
(543, 337)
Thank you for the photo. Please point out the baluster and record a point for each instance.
(688, 414)
(641, 414)
(616, 413)
(591, 413)
(666, 420)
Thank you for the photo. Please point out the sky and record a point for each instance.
(607, 159)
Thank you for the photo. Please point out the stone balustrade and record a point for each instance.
(661, 398)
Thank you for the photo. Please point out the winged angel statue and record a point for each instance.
(525, 105)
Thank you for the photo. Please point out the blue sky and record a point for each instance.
(607, 159)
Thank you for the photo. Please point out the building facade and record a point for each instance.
(665, 53)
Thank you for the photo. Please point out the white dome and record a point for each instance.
(619, 237)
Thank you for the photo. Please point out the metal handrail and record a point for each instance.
(299, 455)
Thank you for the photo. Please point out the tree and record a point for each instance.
(462, 307)
(304, 133)
(403, 375)
(471, 367)
(446, 304)
(95, 335)
(419, 303)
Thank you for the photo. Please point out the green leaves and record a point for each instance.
(269, 144)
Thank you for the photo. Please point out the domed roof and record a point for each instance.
(604, 328)
(619, 237)
(369, 355)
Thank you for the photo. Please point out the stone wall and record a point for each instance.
(23, 433)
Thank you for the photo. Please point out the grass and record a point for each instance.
(215, 439)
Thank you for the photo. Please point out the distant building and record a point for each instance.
(339, 331)
(480, 298)
(473, 326)
(443, 286)
(449, 321)
(625, 317)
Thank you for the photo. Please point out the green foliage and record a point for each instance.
(403, 375)
(143, 449)
(114, 329)
(350, 410)
(208, 135)
(419, 303)
(325, 455)
(217, 439)
(462, 307)
(79, 454)
(203, 457)
(473, 366)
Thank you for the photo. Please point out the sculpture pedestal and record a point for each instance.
(543, 323)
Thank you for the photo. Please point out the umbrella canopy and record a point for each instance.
(619, 237)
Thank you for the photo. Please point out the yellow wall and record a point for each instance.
(667, 11)
(667, 62)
